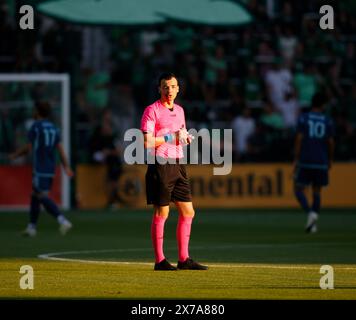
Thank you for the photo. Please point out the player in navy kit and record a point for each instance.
(314, 148)
(43, 141)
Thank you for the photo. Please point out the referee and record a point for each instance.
(163, 125)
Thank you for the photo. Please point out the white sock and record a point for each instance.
(61, 219)
(31, 226)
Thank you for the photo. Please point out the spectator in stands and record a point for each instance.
(193, 86)
(104, 150)
(287, 17)
(271, 118)
(123, 56)
(305, 83)
(252, 87)
(222, 86)
(7, 137)
(247, 47)
(289, 109)
(287, 44)
(350, 105)
(344, 137)
(243, 127)
(265, 53)
(333, 81)
(278, 81)
(258, 144)
(84, 122)
(215, 63)
(348, 68)
(123, 109)
(182, 37)
(97, 89)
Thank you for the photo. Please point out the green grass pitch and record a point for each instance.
(252, 254)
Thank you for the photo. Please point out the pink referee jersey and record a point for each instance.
(159, 120)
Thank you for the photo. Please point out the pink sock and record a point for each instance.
(183, 236)
(157, 231)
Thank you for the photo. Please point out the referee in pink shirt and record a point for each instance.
(163, 125)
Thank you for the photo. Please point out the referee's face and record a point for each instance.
(169, 90)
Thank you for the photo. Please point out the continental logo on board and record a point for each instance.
(249, 184)
(131, 186)
(253, 186)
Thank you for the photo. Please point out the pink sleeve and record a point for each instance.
(148, 121)
(183, 118)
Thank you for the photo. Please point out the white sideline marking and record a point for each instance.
(54, 257)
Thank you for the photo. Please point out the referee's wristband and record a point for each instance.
(168, 137)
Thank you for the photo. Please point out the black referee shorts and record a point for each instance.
(166, 183)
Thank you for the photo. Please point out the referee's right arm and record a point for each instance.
(151, 141)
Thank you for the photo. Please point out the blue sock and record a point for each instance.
(302, 200)
(316, 202)
(34, 209)
(50, 206)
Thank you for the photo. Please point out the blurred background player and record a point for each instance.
(314, 149)
(163, 125)
(105, 150)
(43, 141)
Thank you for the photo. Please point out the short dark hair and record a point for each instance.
(43, 109)
(166, 76)
(319, 100)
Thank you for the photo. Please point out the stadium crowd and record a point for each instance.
(255, 78)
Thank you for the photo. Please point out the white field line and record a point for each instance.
(54, 257)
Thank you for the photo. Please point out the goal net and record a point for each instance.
(18, 94)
